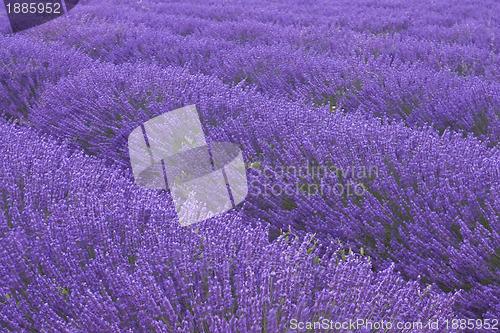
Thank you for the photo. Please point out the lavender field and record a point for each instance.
(370, 131)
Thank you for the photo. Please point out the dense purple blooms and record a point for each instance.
(423, 68)
(83, 248)
(409, 89)
(426, 209)
(26, 64)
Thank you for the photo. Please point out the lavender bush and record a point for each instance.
(388, 65)
(81, 252)
(26, 64)
(406, 88)
(396, 220)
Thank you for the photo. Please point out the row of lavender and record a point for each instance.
(403, 76)
(428, 209)
(432, 207)
(85, 249)
(427, 67)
